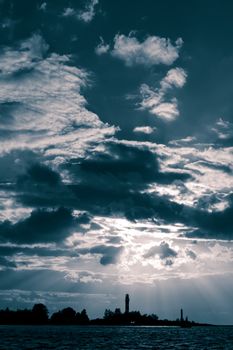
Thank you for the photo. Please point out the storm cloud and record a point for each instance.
(40, 226)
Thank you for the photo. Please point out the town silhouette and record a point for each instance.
(39, 315)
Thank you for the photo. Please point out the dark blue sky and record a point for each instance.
(116, 150)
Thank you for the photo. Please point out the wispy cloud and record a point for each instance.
(43, 6)
(69, 11)
(24, 57)
(85, 15)
(42, 98)
(102, 47)
(223, 129)
(155, 100)
(88, 13)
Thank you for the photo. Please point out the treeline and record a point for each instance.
(39, 315)
(134, 318)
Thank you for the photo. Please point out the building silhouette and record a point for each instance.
(127, 303)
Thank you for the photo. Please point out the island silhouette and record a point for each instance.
(39, 315)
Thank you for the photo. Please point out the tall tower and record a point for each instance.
(181, 315)
(126, 303)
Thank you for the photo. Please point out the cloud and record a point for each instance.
(102, 47)
(224, 131)
(175, 77)
(40, 173)
(43, 6)
(109, 254)
(40, 226)
(88, 14)
(5, 263)
(128, 178)
(190, 253)
(164, 251)
(68, 11)
(109, 182)
(144, 129)
(24, 58)
(11, 250)
(85, 15)
(155, 100)
(42, 103)
(43, 122)
(216, 224)
(167, 110)
(152, 51)
(128, 164)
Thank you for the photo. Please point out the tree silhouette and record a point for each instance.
(40, 314)
(82, 318)
(65, 316)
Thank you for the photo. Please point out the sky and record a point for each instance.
(116, 153)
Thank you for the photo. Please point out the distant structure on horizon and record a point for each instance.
(127, 303)
(181, 315)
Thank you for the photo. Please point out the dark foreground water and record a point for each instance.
(116, 338)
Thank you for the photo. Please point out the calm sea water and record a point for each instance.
(116, 338)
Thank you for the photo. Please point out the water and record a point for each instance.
(114, 338)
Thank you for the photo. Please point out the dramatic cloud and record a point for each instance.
(107, 183)
(210, 224)
(155, 100)
(153, 50)
(40, 226)
(97, 198)
(42, 174)
(119, 173)
(109, 253)
(42, 105)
